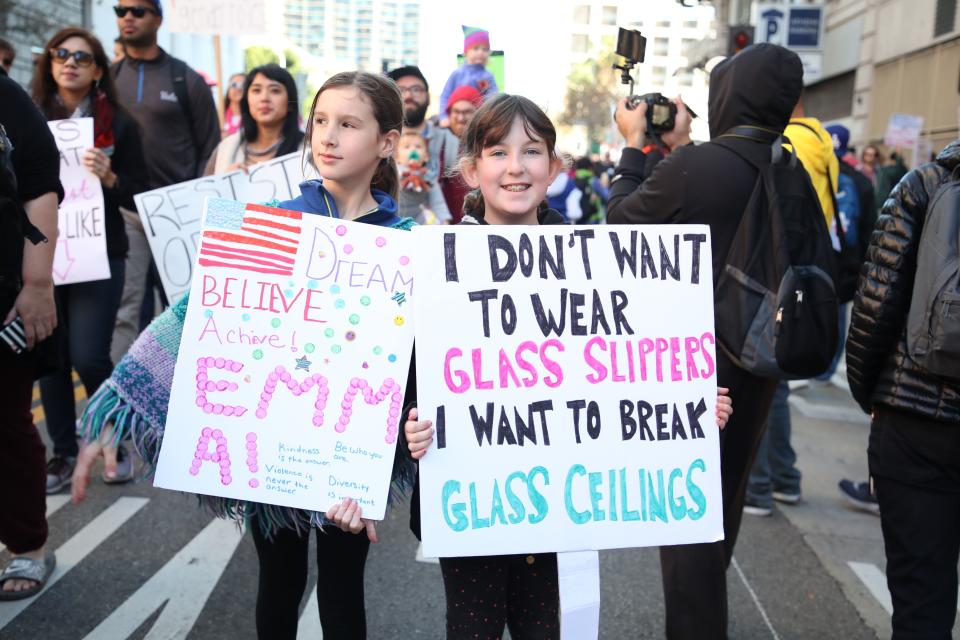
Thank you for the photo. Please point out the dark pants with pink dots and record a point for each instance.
(341, 557)
(487, 593)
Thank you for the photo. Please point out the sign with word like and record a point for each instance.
(570, 374)
(171, 215)
(216, 17)
(81, 253)
(293, 363)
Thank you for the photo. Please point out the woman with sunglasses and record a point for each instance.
(231, 104)
(73, 81)
(269, 119)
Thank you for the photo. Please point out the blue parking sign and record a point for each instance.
(804, 26)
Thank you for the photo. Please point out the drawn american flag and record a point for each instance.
(250, 237)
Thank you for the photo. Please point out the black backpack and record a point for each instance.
(933, 323)
(775, 298)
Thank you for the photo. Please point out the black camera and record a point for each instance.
(661, 111)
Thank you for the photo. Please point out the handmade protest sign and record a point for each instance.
(171, 215)
(217, 17)
(571, 377)
(81, 253)
(293, 361)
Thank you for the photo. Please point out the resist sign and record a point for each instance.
(570, 375)
(81, 254)
(171, 215)
(293, 362)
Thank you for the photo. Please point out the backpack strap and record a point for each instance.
(762, 135)
(178, 76)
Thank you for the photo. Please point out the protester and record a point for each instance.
(711, 184)
(231, 104)
(563, 195)
(73, 81)
(269, 114)
(915, 414)
(462, 105)
(29, 192)
(420, 196)
(442, 146)
(870, 159)
(179, 128)
(592, 200)
(472, 73)
(888, 174)
(353, 131)
(7, 55)
(486, 593)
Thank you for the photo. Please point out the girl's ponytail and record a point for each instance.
(387, 178)
(473, 204)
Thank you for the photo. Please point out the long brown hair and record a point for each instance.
(491, 124)
(44, 88)
(384, 97)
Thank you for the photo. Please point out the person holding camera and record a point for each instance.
(711, 184)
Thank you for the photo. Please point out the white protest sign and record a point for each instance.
(216, 17)
(903, 130)
(81, 254)
(570, 376)
(171, 215)
(293, 362)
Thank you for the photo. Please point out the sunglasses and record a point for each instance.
(82, 58)
(138, 12)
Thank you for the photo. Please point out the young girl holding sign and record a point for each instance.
(353, 132)
(508, 157)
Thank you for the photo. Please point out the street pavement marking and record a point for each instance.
(422, 558)
(756, 600)
(54, 503)
(876, 583)
(308, 628)
(181, 587)
(74, 550)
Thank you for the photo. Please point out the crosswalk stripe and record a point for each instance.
(756, 600)
(308, 628)
(181, 587)
(54, 503)
(872, 578)
(74, 550)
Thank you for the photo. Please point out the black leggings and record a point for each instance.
(486, 593)
(341, 557)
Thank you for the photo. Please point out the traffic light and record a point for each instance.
(741, 37)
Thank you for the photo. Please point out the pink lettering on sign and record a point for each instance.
(205, 384)
(388, 388)
(252, 458)
(281, 375)
(219, 455)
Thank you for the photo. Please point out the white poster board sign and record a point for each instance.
(216, 17)
(903, 130)
(171, 215)
(570, 376)
(293, 362)
(81, 254)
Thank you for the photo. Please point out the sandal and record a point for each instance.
(23, 568)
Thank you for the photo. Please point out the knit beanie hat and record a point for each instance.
(841, 138)
(472, 36)
(464, 92)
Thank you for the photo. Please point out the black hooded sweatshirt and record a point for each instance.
(708, 184)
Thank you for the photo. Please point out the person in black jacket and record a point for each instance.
(710, 184)
(72, 80)
(914, 448)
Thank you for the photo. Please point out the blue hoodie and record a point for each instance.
(315, 199)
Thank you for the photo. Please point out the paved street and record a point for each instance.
(139, 562)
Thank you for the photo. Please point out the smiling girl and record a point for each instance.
(509, 158)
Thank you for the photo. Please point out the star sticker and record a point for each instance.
(303, 363)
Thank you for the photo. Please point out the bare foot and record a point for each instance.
(19, 584)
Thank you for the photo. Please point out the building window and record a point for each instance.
(581, 14)
(945, 17)
(689, 24)
(685, 77)
(661, 46)
(659, 76)
(609, 15)
(663, 24)
(580, 43)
